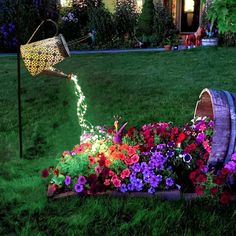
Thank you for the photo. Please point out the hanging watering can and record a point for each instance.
(40, 56)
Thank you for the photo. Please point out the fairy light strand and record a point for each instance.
(85, 125)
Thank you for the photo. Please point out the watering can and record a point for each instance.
(39, 57)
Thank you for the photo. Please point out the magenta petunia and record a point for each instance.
(79, 188)
(67, 180)
(81, 180)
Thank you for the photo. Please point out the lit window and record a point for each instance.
(189, 6)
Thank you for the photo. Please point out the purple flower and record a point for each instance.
(161, 146)
(231, 166)
(211, 123)
(144, 166)
(67, 180)
(170, 144)
(233, 158)
(187, 158)
(130, 187)
(79, 188)
(155, 180)
(136, 167)
(200, 138)
(139, 185)
(170, 153)
(81, 180)
(151, 190)
(169, 182)
(123, 188)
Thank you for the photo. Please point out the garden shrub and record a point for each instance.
(125, 17)
(163, 24)
(146, 18)
(100, 21)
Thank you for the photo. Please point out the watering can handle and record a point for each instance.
(40, 26)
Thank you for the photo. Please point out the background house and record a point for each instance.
(186, 13)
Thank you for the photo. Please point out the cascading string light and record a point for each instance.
(85, 125)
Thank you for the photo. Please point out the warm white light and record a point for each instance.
(139, 5)
(66, 3)
(81, 106)
(189, 6)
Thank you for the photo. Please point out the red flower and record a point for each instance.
(206, 156)
(92, 178)
(125, 173)
(45, 173)
(225, 197)
(219, 180)
(56, 172)
(147, 133)
(193, 146)
(202, 178)
(105, 172)
(224, 171)
(175, 130)
(200, 163)
(187, 149)
(130, 131)
(199, 190)
(110, 130)
(120, 155)
(114, 177)
(214, 190)
(180, 138)
(91, 160)
(102, 160)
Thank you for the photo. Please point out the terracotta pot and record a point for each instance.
(168, 47)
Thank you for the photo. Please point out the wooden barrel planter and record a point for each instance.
(220, 106)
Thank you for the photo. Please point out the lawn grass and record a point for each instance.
(141, 87)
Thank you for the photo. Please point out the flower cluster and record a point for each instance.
(215, 183)
(70, 17)
(154, 157)
(210, 31)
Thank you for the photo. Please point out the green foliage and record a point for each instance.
(28, 12)
(145, 21)
(113, 84)
(75, 165)
(125, 17)
(163, 25)
(224, 13)
(100, 20)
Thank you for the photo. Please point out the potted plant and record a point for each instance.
(171, 41)
(167, 43)
(210, 36)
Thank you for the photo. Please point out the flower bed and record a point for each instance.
(156, 159)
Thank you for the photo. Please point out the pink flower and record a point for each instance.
(66, 153)
(125, 173)
(97, 169)
(135, 158)
(111, 173)
(107, 182)
(117, 183)
(202, 127)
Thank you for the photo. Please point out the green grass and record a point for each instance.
(140, 87)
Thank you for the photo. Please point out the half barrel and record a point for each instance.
(219, 105)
